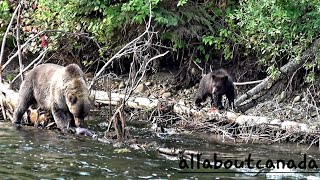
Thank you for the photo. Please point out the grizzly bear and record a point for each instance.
(216, 84)
(61, 90)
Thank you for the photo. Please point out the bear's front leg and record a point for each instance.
(218, 102)
(231, 101)
(60, 118)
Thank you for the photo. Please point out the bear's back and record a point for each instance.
(41, 78)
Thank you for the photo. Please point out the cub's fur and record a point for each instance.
(61, 90)
(216, 84)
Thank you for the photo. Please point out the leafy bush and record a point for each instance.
(273, 31)
(4, 16)
(276, 30)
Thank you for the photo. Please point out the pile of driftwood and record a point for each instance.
(231, 125)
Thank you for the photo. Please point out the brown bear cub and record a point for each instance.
(216, 84)
(61, 90)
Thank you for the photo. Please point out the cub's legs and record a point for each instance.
(230, 97)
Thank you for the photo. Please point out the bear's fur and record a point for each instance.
(61, 90)
(216, 84)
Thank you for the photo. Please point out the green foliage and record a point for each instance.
(182, 2)
(10, 76)
(276, 30)
(105, 20)
(4, 10)
(273, 72)
(4, 15)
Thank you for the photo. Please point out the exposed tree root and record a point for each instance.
(285, 71)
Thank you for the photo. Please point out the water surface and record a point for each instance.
(33, 153)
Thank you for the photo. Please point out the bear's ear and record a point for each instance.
(225, 78)
(73, 70)
(72, 99)
(213, 76)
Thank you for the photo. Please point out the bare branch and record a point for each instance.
(118, 54)
(247, 83)
(5, 38)
(18, 41)
(44, 32)
(37, 60)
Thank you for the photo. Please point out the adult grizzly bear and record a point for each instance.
(61, 90)
(215, 84)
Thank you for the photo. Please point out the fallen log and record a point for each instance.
(11, 99)
(243, 120)
(116, 99)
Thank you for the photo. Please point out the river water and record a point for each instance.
(32, 153)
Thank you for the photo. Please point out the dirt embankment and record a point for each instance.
(300, 105)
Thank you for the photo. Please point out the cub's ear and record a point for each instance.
(213, 76)
(72, 99)
(224, 78)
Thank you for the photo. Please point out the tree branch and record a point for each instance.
(18, 41)
(38, 60)
(41, 33)
(5, 38)
(118, 54)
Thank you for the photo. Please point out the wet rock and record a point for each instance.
(122, 85)
(166, 95)
(297, 98)
(140, 88)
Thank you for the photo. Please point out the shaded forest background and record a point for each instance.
(252, 39)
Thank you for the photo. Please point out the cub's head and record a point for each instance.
(219, 84)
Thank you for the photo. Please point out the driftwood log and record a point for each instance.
(116, 100)
(231, 117)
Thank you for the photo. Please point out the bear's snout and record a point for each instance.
(79, 122)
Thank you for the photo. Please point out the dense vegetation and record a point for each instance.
(268, 32)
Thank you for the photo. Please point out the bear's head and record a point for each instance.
(79, 105)
(218, 84)
(76, 94)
